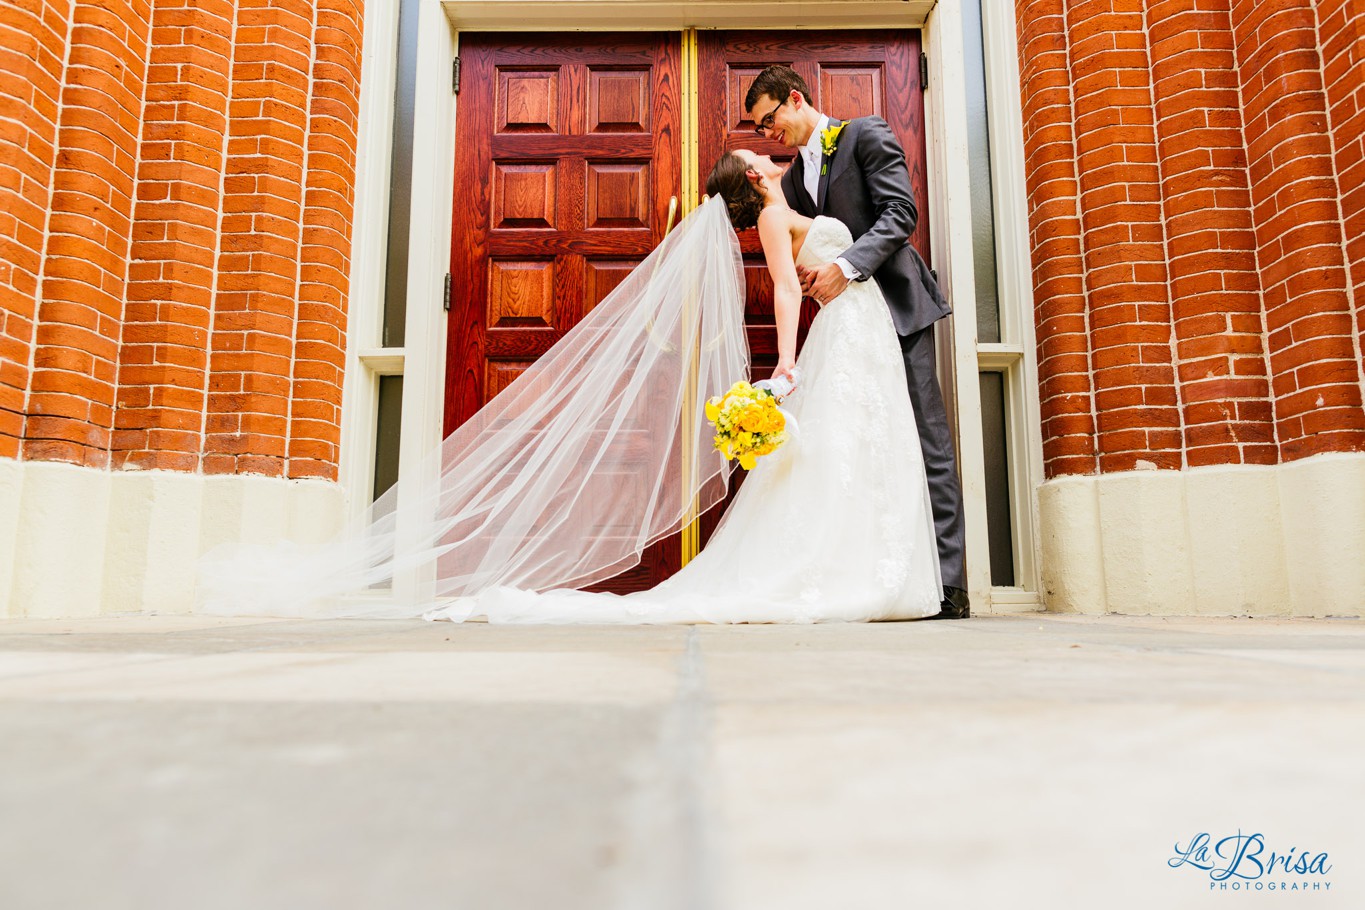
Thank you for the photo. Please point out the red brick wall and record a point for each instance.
(175, 216)
(170, 281)
(33, 39)
(324, 261)
(1194, 173)
(1342, 36)
(176, 188)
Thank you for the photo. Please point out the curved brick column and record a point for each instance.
(1061, 307)
(252, 345)
(1311, 328)
(1341, 39)
(80, 314)
(324, 267)
(1136, 405)
(1215, 287)
(163, 362)
(32, 57)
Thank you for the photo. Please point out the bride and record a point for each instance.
(600, 448)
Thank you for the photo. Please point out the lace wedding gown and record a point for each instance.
(835, 526)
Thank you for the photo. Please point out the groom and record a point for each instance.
(855, 172)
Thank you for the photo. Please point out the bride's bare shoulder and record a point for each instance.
(780, 216)
(774, 214)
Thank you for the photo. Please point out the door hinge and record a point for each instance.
(923, 71)
(455, 75)
(445, 303)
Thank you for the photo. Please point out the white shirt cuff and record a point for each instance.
(849, 271)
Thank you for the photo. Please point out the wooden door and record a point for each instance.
(851, 74)
(567, 153)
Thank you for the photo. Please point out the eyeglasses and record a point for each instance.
(767, 122)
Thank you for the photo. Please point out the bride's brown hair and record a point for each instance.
(729, 179)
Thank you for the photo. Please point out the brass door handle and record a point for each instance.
(672, 214)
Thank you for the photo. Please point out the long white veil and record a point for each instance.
(597, 450)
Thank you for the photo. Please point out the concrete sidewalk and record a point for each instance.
(1010, 761)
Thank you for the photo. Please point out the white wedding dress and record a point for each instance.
(835, 526)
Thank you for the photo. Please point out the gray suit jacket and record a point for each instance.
(867, 187)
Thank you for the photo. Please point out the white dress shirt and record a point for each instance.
(813, 157)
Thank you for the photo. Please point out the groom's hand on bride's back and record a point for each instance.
(806, 276)
(822, 284)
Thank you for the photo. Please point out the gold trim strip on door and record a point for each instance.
(691, 198)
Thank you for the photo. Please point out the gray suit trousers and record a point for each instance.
(940, 456)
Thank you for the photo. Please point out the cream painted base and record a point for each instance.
(81, 542)
(1282, 540)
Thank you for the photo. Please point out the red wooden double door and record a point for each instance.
(568, 151)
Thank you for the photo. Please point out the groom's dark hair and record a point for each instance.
(776, 82)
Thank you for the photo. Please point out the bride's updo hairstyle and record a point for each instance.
(729, 180)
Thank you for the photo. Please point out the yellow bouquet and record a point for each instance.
(748, 423)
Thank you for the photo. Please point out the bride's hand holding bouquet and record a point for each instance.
(748, 422)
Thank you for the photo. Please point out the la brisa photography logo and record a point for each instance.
(1243, 862)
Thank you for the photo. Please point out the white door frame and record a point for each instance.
(422, 359)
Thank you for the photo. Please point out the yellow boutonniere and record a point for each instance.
(829, 141)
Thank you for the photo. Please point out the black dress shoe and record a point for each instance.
(955, 605)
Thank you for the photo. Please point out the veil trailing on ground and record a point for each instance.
(593, 453)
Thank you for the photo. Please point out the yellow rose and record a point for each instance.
(829, 139)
